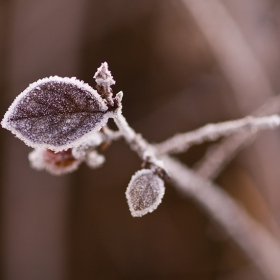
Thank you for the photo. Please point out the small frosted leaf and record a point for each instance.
(56, 113)
(55, 163)
(144, 192)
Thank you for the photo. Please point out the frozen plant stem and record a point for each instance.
(218, 156)
(211, 132)
(260, 246)
(144, 150)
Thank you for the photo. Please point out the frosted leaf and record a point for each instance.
(144, 192)
(55, 163)
(56, 113)
(94, 159)
(92, 142)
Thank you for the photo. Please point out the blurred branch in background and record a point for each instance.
(42, 40)
(255, 240)
(244, 72)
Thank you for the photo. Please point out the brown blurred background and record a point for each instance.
(180, 66)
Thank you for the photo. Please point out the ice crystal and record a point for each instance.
(55, 163)
(144, 192)
(56, 113)
(80, 152)
(103, 77)
(94, 159)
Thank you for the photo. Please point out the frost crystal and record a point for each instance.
(103, 77)
(55, 163)
(144, 192)
(94, 159)
(56, 113)
(91, 143)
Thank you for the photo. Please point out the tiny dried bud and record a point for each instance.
(103, 77)
(55, 163)
(104, 80)
(144, 192)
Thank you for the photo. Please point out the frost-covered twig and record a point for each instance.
(218, 156)
(260, 245)
(136, 142)
(252, 237)
(256, 241)
(211, 132)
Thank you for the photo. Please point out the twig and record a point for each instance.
(211, 132)
(136, 142)
(253, 239)
(262, 248)
(218, 156)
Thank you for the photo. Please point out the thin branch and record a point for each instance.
(253, 239)
(136, 142)
(218, 156)
(262, 248)
(111, 135)
(211, 132)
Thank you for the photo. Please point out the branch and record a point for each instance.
(220, 155)
(136, 142)
(260, 246)
(211, 132)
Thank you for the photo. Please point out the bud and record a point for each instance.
(144, 192)
(55, 163)
(94, 159)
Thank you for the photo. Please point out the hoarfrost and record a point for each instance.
(94, 159)
(56, 113)
(92, 142)
(103, 77)
(144, 192)
(55, 163)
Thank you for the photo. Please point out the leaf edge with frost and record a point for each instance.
(151, 208)
(74, 81)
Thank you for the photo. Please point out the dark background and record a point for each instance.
(174, 79)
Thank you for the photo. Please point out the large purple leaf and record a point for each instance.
(56, 113)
